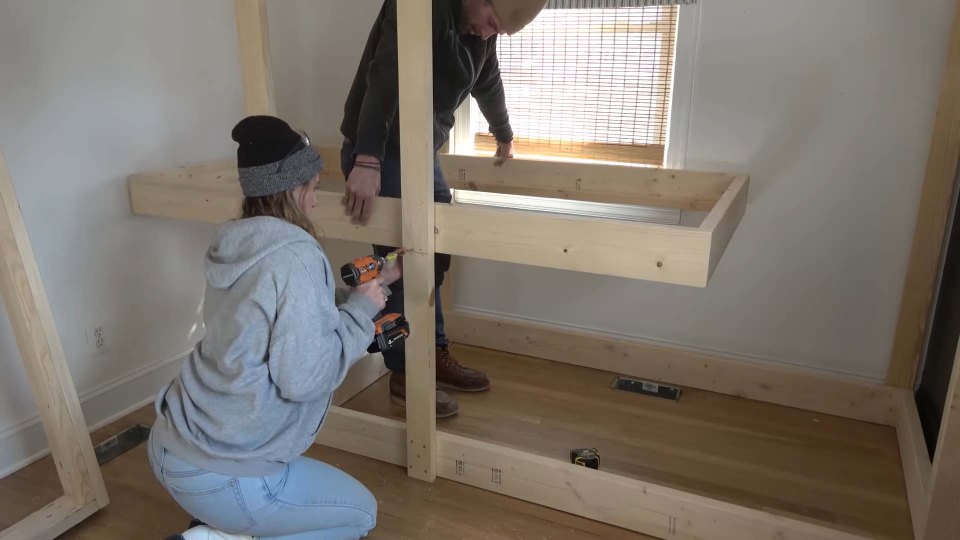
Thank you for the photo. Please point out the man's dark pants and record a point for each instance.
(390, 187)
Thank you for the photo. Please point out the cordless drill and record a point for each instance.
(391, 328)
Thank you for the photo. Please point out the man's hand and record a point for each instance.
(363, 185)
(504, 152)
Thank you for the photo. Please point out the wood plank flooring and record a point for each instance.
(783, 460)
(408, 509)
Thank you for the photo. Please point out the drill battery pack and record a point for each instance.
(390, 330)
(585, 457)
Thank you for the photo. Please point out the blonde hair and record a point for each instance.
(279, 205)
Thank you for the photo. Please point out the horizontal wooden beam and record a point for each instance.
(180, 198)
(626, 502)
(665, 253)
(637, 250)
(366, 435)
(615, 184)
(783, 385)
(50, 521)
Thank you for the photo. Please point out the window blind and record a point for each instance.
(589, 79)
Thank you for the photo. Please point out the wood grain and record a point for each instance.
(415, 49)
(935, 200)
(254, 40)
(807, 389)
(46, 367)
(815, 468)
(943, 519)
(408, 509)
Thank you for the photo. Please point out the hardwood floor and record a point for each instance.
(775, 458)
(408, 509)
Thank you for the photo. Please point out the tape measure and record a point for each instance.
(585, 457)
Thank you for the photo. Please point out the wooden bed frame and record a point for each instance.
(671, 254)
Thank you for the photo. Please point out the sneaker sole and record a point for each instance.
(402, 403)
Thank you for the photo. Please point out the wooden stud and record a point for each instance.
(415, 48)
(935, 199)
(615, 184)
(50, 521)
(915, 460)
(618, 184)
(664, 253)
(723, 220)
(46, 366)
(254, 40)
(626, 502)
(943, 519)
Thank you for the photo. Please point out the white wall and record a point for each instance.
(828, 105)
(90, 92)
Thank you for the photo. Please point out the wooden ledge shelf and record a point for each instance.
(708, 466)
(677, 254)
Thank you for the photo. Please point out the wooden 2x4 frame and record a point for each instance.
(42, 354)
(683, 255)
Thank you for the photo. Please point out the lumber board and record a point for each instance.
(50, 521)
(930, 229)
(633, 504)
(915, 460)
(365, 372)
(364, 434)
(614, 184)
(415, 48)
(943, 519)
(619, 184)
(723, 220)
(206, 202)
(673, 364)
(254, 40)
(43, 358)
(665, 253)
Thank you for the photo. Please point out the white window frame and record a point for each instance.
(681, 97)
(675, 153)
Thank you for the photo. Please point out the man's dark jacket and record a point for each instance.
(462, 65)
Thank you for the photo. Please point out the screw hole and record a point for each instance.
(659, 264)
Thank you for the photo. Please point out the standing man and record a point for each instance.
(464, 63)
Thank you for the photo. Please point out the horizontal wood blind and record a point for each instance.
(589, 79)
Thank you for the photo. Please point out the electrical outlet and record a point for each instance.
(97, 340)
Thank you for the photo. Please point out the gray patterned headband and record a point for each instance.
(294, 170)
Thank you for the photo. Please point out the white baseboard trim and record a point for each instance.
(25, 442)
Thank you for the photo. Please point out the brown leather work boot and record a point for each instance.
(452, 375)
(446, 405)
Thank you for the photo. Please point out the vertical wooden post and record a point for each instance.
(943, 519)
(931, 225)
(415, 50)
(43, 358)
(254, 42)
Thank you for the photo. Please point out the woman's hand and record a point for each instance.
(393, 270)
(373, 291)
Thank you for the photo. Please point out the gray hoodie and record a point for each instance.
(254, 392)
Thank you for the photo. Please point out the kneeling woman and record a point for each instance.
(249, 400)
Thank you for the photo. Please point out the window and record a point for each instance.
(588, 79)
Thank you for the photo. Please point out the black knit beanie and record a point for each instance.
(271, 157)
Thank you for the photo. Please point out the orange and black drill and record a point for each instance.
(391, 328)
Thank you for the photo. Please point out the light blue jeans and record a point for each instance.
(309, 500)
